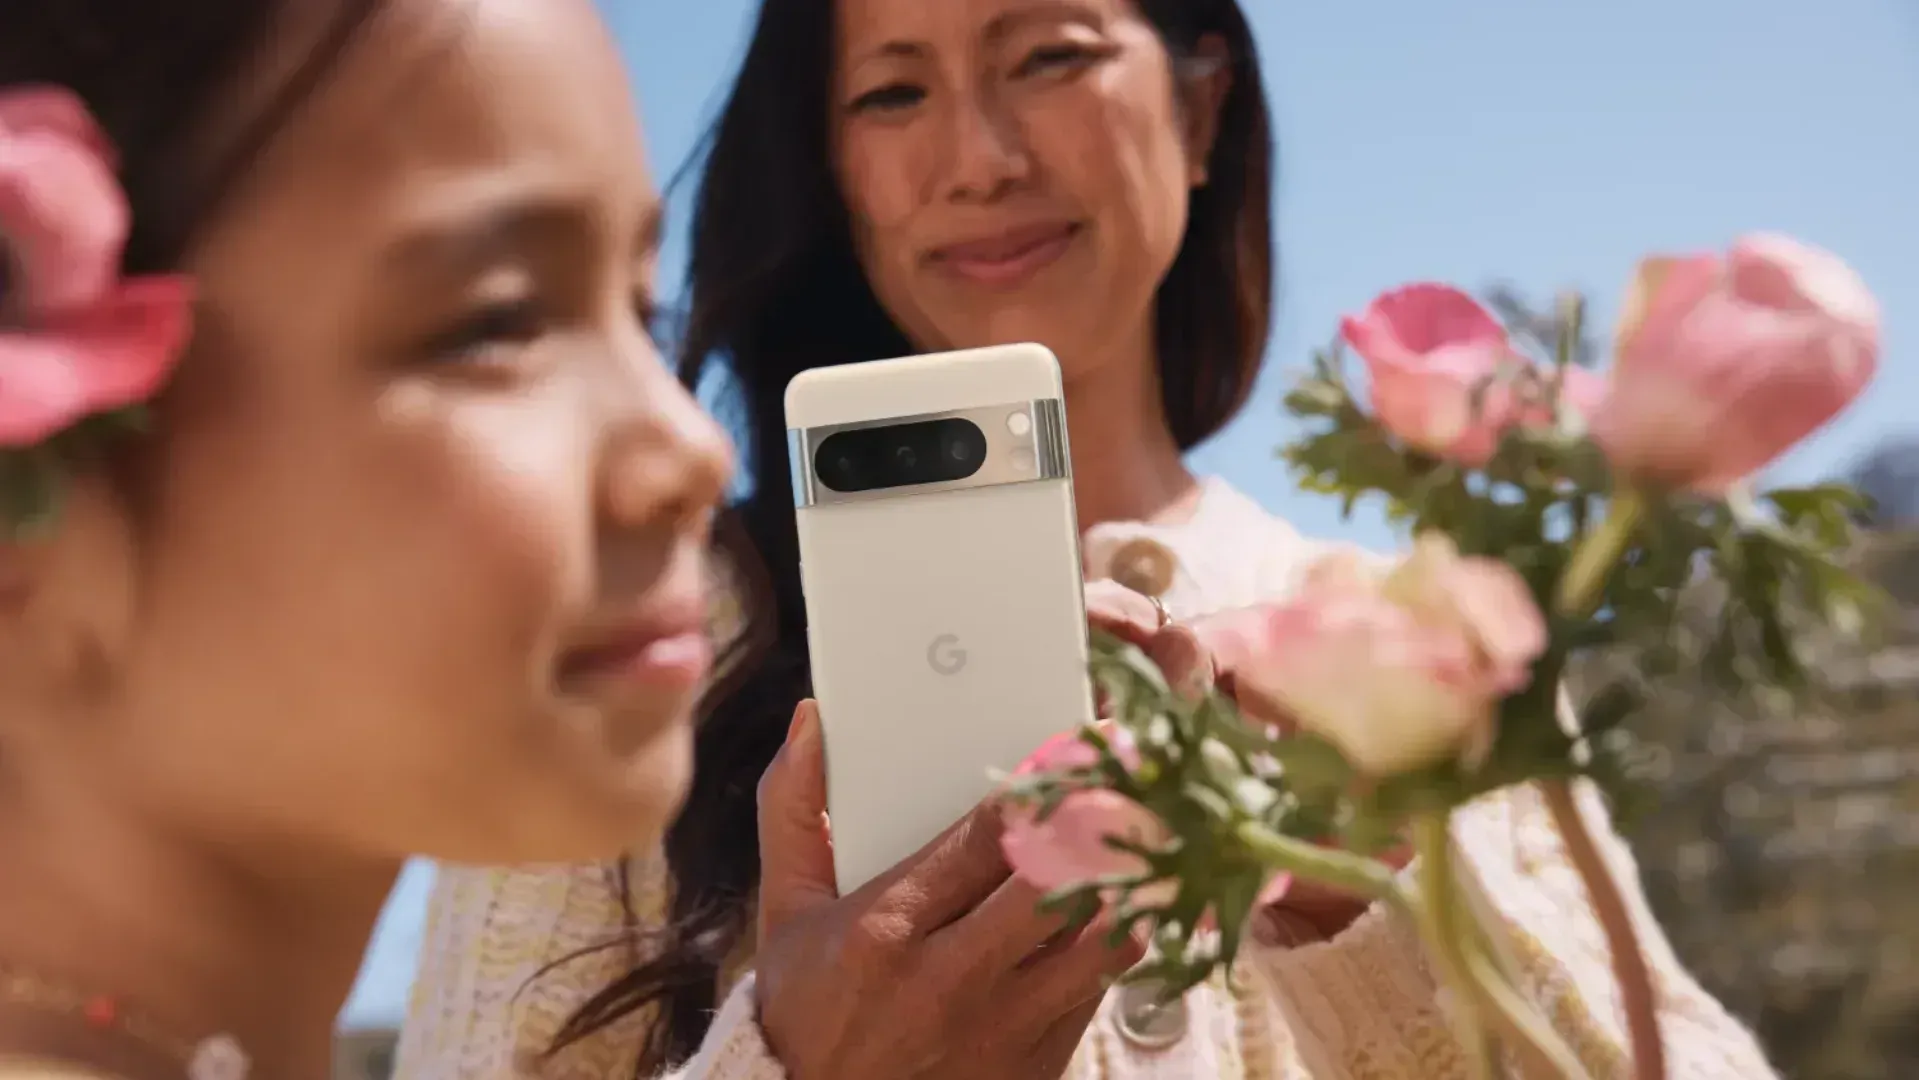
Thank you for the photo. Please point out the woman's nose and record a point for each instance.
(986, 151)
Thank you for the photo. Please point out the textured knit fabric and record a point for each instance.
(1362, 1006)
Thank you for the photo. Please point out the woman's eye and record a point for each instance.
(890, 97)
(481, 334)
(1053, 59)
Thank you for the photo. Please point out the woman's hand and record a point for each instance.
(1205, 654)
(942, 967)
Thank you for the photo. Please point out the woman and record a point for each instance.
(409, 559)
(1091, 174)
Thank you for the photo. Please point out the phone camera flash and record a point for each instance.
(1018, 424)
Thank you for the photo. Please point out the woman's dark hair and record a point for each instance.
(775, 290)
(155, 75)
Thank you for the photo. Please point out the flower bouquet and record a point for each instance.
(1555, 510)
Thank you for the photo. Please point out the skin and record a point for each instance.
(420, 461)
(941, 968)
(968, 120)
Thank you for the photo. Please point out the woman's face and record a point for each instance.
(1017, 170)
(418, 567)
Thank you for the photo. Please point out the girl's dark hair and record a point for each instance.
(775, 290)
(155, 75)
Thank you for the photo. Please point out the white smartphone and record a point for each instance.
(945, 609)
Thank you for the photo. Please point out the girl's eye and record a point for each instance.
(652, 318)
(1053, 59)
(890, 97)
(480, 336)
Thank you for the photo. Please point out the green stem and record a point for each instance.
(1438, 908)
(1540, 1049)
(1355, 874)
(1598, 552)
(1572, 320)
(1579, 591)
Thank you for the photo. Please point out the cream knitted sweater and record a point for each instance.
(1359, 1007)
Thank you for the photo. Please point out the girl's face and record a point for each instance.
(413, 561)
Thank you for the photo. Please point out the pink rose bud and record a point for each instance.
(76, 339)
(1434, 356)
(1483, 600)
(1724, 364)
(1402, 669)
(1069, 847)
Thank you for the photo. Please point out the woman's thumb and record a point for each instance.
(796, 852)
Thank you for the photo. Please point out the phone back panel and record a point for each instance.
(946, 621)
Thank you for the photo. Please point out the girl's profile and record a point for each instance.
(406, 551)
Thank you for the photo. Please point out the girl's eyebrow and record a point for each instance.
(486, 231)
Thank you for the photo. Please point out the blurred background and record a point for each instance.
(1535, 147)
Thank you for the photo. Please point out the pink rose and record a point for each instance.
(75, 340)
(1723, 364)
(1484, 601)
(1434, 358)
(1403, 669)
(1070, 846)
(1581, 392)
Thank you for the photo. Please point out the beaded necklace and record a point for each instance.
(217, 1057)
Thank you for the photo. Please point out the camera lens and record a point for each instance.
(962, 449)
(840, 463)
(901, 455)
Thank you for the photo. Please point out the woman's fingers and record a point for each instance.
(1078, 968)
(1061, 1039)
(1218, 651)
(1121, 612)
(1004, 930)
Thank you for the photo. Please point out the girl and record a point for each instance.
(409, 556)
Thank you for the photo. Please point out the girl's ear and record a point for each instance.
(66, 608)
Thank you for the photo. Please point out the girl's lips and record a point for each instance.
(672, 656)
(1008, 258)
(676, 663)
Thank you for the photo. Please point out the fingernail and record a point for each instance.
(801, 728)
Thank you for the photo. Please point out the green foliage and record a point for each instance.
(33, 479)
(1205, 772)
(1767, 565)
(1758, 568)
(30, 488)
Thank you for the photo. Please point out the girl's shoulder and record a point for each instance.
(41, 1069)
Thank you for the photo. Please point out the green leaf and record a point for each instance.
(31, 488)
(1314, 769)
(1611, 707)
(1237, 896)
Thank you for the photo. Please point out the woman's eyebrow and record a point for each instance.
(1041, 11)
(998, 28)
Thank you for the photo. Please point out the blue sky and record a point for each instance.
(1549, 144)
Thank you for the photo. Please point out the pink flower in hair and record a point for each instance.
(76, 339)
